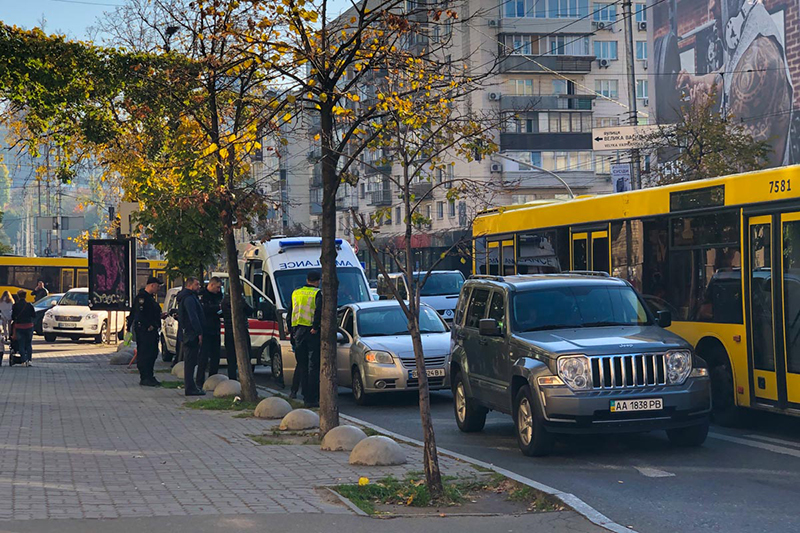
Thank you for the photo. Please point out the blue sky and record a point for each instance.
(63, 16)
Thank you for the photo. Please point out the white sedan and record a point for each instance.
(72, 318)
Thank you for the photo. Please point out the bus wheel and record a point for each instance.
(723, 396)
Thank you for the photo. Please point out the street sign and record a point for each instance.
(621, 176)
(621, 137)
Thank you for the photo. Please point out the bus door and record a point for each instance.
(67, 279)
(509, 258)
(590, 250)
(494, 258)
(789, 364)
(761, 309)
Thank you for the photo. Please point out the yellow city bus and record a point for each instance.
(61, 274)
(684, 247)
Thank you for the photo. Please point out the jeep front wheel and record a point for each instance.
(469, 417)
(532, 437)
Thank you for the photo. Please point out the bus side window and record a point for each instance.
(67, 279)
(83, 278)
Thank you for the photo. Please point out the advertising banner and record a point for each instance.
(748, 49)
(112, 274)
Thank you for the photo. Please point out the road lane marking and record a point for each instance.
(774, 440)
(648, 471)
(755, 444)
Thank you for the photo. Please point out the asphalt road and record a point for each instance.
(742, 480)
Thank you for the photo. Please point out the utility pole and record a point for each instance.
(627, 14)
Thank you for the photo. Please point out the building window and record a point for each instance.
(517, 199)
(602, 164)
(641, 13)
(520, 87)
(362, 191)
(641, 50)
(440, 210)
(554, 122)
(569, 45)
(536, 159)
(398, 215)
(451, 175)
(563, 161)
(605, 49)
(641, 89)
(428, 214)
(606, 122)
(522, 45)
(607, 88)
(560, 87)
(546, 8)
(604, 12)
(451, 208)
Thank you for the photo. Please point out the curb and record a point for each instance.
(578, 505)
(347, 503)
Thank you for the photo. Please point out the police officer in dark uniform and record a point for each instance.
(146, 323)
(211, 300)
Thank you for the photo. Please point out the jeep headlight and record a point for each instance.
(574, 370)
(679, 366)
(383, 358)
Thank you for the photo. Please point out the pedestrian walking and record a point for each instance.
(305, 314)
(190, 322)
(22, 315)
(230, 348)
(39, 292)
(146, 323)
(6, 305)
(211, 300)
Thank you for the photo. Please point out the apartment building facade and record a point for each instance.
(559, 71)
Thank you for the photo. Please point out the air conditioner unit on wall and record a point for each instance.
(599, 25)
(494, 96)
(496, 167)
(642, 26)
(604, 63)
(644, 64)
(494, 23)
(646, 102)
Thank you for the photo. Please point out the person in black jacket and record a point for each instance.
(227, 319)
(211, 300)
(146, 321)
(190, 321)
(23, 315)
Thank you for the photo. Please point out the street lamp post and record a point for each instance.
(551, 173)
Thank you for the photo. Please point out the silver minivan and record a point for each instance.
(440, 291)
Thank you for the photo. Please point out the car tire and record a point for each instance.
(49, 337)
(689, 437)
(98, 339)
(723, 400)
(359, 394)
(276, 363)
(532, 437)
(469, 417)
(166, 355)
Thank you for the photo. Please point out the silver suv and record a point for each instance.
(571, 353)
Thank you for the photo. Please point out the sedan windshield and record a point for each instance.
(441, 283)
(75, 298)
(386, 321)
(577, 307)
(352, 287)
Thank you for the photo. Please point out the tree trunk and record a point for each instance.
(329, 394)
(433, 476)
(240, 331)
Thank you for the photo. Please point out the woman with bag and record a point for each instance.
(23, 314)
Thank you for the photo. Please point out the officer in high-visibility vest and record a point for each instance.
(304, 317)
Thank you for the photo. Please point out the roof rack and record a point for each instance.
(487, 277)
(597, 273)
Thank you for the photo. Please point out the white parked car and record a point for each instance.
(71, 317)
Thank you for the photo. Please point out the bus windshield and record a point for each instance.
(75, 298)
(441, 283)
(578, 307)
(352, 287)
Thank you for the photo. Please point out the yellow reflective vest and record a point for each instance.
(304, 303)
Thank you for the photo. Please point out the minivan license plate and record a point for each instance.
(625, 406)
(432, 373)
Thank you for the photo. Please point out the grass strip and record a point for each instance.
(220, 404)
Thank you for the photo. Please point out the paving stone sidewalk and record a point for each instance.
(80, 439)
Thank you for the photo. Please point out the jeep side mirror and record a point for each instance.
(489, 327)
(664, 319)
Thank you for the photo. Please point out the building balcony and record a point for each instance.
(519, 64)
(577, 102)
(422, 189)
(380, 198)
(345, 202)
(315, 208)
(545, 141)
